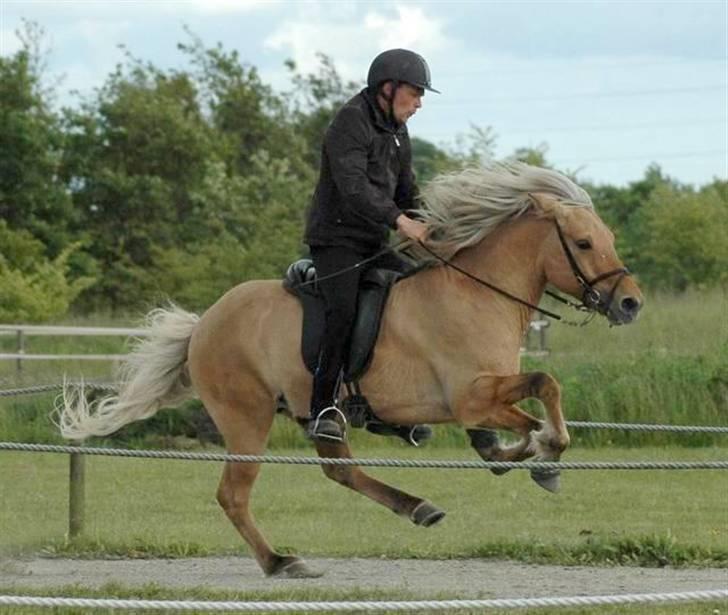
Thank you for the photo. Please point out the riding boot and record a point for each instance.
(326, 425)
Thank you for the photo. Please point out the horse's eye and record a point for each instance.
(583, 244)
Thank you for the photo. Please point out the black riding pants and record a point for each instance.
(340, 295)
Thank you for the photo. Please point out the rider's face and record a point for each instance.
(407, 100)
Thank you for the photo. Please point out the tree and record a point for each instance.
(134, 155)
(32, 195)
(34, 288)
(685, 236)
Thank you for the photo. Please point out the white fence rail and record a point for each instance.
(534, 347)
(21, 332)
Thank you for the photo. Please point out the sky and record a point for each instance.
(610, 86)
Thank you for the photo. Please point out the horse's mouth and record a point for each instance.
(617, 317)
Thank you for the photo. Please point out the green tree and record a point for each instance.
(34, 288)
(134, 155)
(32, 195)
(685, 236)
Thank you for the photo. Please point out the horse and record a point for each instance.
(448, 348)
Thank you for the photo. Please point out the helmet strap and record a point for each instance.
(390, 101)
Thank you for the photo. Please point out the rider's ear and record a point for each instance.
(545, 203)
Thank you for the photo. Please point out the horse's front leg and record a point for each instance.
(488, 403)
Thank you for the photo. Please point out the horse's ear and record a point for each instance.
(544, 203)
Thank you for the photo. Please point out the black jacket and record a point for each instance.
(366, 178)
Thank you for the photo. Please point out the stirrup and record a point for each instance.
(317, 432)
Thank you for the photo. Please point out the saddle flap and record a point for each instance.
(300, 281)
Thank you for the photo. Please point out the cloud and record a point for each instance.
(411, 29)
(217, 7)
(353, 36)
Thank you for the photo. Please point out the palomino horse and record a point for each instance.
(448, 349)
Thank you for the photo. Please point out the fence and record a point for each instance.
(536, 342)
(22, 332)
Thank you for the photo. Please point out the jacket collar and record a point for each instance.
(378, 115)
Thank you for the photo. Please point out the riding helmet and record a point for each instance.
(400, 65)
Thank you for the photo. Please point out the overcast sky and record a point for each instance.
(609, 86)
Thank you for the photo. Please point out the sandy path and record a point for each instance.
(426, 578)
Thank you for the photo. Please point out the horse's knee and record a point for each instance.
(543, 386)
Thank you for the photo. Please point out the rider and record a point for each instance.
(366, 184)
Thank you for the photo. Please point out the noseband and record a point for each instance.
(592, 299)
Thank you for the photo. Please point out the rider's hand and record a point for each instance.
(412, 229)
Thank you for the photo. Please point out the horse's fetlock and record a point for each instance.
(559, 442)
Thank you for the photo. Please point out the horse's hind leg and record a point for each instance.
(417, 510)
(246, 433)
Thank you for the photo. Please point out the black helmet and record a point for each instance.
(400, 65)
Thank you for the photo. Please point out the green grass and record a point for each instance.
(168, 508)
(153, 592)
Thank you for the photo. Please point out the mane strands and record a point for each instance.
(464, 207)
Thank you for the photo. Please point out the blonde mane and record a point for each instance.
(462, 208)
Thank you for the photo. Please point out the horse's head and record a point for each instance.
(580, 260)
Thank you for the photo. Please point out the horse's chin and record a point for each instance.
(619, 318)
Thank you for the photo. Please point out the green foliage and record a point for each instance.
(32, 196)
(685, 236)
(34, 288)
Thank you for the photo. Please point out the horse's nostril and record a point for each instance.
(629, 305)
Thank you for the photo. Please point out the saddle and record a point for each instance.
(374, 288)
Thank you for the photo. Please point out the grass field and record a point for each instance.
(168, 508)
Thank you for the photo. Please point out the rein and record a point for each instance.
(482, 282)
(592, 300)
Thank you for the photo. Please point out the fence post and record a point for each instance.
(20, 350)
(76, 493)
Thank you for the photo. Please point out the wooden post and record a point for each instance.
(542, 336)
(20, 350)
(76, 494)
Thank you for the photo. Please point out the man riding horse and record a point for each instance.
(365, 186)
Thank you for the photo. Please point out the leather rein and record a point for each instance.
(592, 300)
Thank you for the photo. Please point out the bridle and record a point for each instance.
(592, 300)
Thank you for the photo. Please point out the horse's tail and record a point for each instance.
(153, 376)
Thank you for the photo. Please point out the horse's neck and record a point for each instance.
(509, 259)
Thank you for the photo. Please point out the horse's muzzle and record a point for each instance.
(623, 310)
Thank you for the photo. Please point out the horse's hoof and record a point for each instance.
(425, 514)
(291, 567)
(548, 479)
(500, 471)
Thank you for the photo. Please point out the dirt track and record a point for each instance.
(425, 578)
